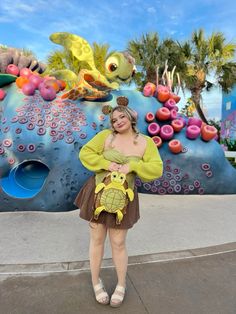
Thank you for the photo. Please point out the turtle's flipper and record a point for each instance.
(93, 78)
(74, 94)
(66, 75)
(130, 194)
(84, 92)
(119, 217)
(99, 187)
(97, 211)
(78, 46)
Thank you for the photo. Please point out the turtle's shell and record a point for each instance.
(113, 200)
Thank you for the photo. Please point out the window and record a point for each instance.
(228, 105)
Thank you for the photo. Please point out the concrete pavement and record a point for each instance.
(182, 260)
(35, 241)
(199, 285)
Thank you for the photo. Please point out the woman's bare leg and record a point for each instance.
(98, 234)
(119, 253)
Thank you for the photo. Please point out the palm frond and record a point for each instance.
(100, 53)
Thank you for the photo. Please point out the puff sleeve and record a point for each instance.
(91, 153)
(150, 166)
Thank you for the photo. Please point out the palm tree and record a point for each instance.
(145, 52)
(171, 57)
(152, 55)
(100, 53)
(227, 77)
(62, 59)
(204, 57)
(194, 60)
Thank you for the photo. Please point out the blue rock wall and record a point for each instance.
(40, 141)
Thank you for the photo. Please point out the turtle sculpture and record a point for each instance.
(111, 196)
(89, 83)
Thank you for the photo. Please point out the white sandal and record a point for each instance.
(118, 296)
(101, 295)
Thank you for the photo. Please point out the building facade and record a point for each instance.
(228, 122)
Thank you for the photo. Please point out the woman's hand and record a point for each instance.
(114, 166)
(124, 168)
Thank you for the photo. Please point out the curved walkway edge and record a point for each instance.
(30, 269)
(171, 228)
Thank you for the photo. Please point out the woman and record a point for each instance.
(125, 151)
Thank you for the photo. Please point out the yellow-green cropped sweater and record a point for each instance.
(148, 168)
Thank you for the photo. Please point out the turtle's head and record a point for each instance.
(120, 67)
(59, 38)
(118, 177)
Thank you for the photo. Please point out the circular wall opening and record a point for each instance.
(26, 180)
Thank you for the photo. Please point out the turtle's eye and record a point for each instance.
(112, 67)
(121, 177)
(112, 64)
(114, 175)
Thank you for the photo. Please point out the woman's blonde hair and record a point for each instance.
(130, 114)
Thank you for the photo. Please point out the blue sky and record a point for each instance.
(28, 24)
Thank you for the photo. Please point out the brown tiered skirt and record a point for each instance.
(85, 202)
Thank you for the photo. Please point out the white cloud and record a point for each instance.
(5, 19)
(15, 8)
(151, 10)
(125, 4)
(174, 17)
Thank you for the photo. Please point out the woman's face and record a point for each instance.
(120, 122)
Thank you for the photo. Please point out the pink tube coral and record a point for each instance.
(153, 128)
(192, 132)
(166, 132)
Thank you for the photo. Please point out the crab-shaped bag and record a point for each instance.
(113, 195)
